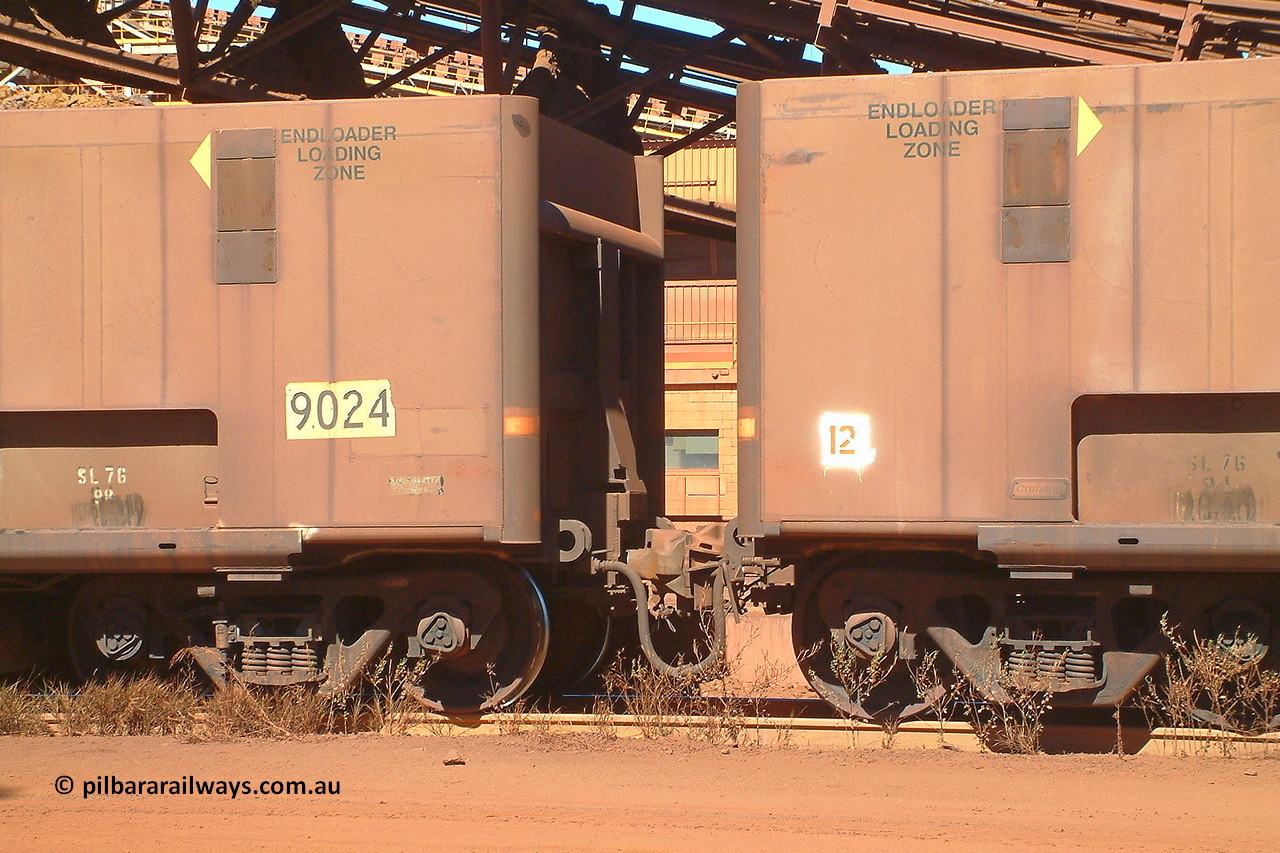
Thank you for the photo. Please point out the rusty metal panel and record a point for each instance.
(1241, 253)
(752, 519)
(244, 142)
(1207, 477)
(449, 417)
(108, 468)
(1172, 273)
(106, 487)
(125, 326)
(1036, 113)
(947, 373)
(1101, 339)
(1036, 167)
(567, 155)
(837, 436)
(601, 355)
(447, 320)
(246, 192)
(1036, 234)
(150, 549)
(245, 257)
(1232, 547)
(41, 289)
(521, 330)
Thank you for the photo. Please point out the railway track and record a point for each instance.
(805, 723)
(754, 722)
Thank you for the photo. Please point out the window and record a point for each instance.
(693, 450)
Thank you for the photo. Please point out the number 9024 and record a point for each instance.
(357, 409)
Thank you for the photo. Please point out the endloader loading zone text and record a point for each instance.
(931, 129)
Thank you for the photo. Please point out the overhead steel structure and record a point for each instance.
(314, 48)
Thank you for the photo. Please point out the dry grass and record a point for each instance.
(155, 705)
(1015, 726)
(729, 697)
(288, 712)
(20, 711)
(934, 689)
(859, 676)
(141, 705)
(1213, 692)
(714, 707)
(120, 705)
(658, 703)
(519, 718)
(387, 705)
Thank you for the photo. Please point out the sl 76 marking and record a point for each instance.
(102, 479)
(1209, 462)
(355, 409)
(94, 476)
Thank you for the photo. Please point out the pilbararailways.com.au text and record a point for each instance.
(115, 786)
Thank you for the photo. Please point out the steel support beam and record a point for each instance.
(951, 23)
(50, 53)
(699, 134)
(109, 15)
(275, 36)
(232, 27)
(658, 72)
(425, 62)
(182, 22)
(491, 45)
(1190, 39)
(516, 34)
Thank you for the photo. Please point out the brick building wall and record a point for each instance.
(701, 400)
(704, 493)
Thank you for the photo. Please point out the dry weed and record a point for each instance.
(243, 710)
(20, 711)
(727, 701)
(858, 676)
(602, 718)
(1212, 690)
(151, 704)
(1015, 725)
(657, 702)
(124, 705)
(388, 706)
(519, 718)
(934, 689)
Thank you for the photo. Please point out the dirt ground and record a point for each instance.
(524, 793)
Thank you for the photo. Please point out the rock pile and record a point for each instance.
(50, 98)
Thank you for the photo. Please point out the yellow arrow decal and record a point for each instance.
(1087, 127)
(202, 161)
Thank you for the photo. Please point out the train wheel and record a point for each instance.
(581, 633)
(110, 631)
(474, 667)
(846, 644)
